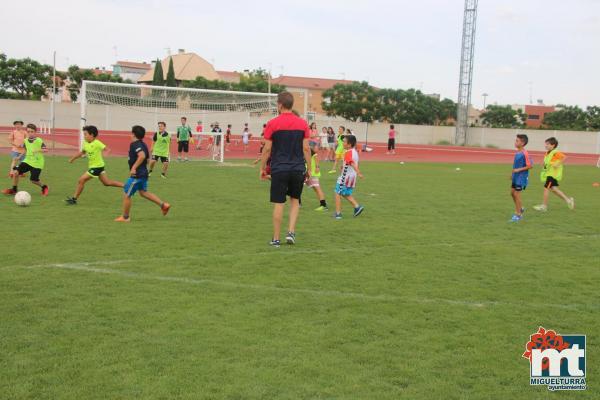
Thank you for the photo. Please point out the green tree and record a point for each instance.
(77, 75)
(593, 118)
(158, 79)
(503, 117)
(566, 118)
(356, 101)
(254, 81)
(171, 74)
(24, 78)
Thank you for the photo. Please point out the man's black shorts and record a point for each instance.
(183, 146)
(550, 182)
(286, 184)
(35, 172)
(161, 159)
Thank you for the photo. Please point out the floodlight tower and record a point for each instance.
(465, 80)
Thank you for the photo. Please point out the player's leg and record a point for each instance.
(277, 219)
(108, 182)
(151, 164)
(164, 206)
(186, 149)
(569, 200)
(34, 177)
(179, 150)
(321, 197)
(165, 167)
(81, 184)
(295, 187)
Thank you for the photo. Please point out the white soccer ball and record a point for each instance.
(22, 199)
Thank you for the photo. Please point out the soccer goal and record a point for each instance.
(115, 107)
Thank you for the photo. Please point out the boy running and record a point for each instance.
(93, 148)
(313, 181)
(161, 149)
(184, 134)
(347, 180)
(520, 175)
(552, 174)
(339, 151)
(138, 180)
(17, 153)
(32, 163)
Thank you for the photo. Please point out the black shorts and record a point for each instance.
(518, 188)
(183, 146)
(35, 172)
(550, 182)
(285, 184)
(391, 144)
(95, 172)
(161, 159)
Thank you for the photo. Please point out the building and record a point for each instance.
(536, 114)
(229, 76)
(308, 92)
(187, 66)
(131, 70)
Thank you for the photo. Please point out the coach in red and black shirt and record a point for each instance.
(286, 143)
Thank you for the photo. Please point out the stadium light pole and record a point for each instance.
(485, 95)
(52, 110)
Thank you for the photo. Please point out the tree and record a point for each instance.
(566, 118)
(503, 117)
(356, 101)
(158, 78)
(255, 81)
(24, 78)
(171, 74)
(593, 118)
(77, 75)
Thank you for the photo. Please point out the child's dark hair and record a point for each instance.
(552, 140)
(343, 128)
(162, 123)
(229, 125)
(91, 129)
(138, 131)
(351, 140)
(184, 118)
(523, 138)
(18, 122)
(392, 126)
(32, 126)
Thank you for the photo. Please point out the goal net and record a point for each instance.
(115, 107)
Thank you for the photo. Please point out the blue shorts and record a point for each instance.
(134, 184)
(343, 190)
(17, 155)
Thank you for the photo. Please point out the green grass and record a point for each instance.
(430, 294)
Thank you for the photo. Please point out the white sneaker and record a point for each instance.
(540, 207)
(571, 203)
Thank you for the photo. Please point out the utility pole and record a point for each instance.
(52, 110)
(270, 68)
(465, 80)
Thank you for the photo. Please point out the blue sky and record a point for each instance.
(548, 45)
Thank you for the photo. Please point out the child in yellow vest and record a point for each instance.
(315, 174)
(552, 174)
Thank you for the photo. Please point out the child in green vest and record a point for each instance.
(161, 147)
(92, 148)
(552, 174)
(32, 163)
(315, 174)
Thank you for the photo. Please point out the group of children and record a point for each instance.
(550, 176)
(27, 155)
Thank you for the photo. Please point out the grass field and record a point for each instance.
(430, 294)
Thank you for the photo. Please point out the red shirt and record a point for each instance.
(287, 133)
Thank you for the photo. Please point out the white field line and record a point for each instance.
(89, 267)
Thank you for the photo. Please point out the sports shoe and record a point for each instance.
(337, 215)
(275, 243)
(163, 176)
(522, 210)
(571, 203)
(332, 171)
(290, 238)
(321, 208)
(9, 192)
(121, 218)
(71, 201)
(165, 208)
(516, 218)
(149, 174)
(358, 210)
(45, 191)
(540, 207)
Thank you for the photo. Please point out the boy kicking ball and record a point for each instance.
(552, 174)
(138, 180)
(32, 163)
(520, 175)
(93, 148)
(347, 180)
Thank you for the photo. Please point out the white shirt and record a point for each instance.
(348, 175)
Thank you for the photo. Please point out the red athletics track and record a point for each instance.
(66, 140)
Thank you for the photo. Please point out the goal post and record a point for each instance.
(115, 107)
